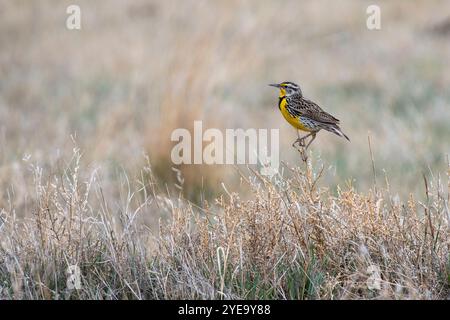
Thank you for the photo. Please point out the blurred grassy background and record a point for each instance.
(137, 70)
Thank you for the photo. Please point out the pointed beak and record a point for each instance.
(274, 85)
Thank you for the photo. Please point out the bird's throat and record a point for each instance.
(281, 100)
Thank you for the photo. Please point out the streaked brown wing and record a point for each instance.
(309, 109)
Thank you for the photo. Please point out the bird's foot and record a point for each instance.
(300, 146)
(300, 142)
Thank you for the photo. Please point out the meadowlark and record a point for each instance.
(304, 114)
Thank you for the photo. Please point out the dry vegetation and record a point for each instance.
(292, 240)
(79, 111)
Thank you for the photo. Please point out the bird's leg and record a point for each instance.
(313, 134)
(301, 144)
(301, 140)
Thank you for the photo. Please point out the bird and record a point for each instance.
(304, 114)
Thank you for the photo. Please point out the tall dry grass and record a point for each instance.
(291, 240)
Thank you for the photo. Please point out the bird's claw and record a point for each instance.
(300, 142)
(301, 147)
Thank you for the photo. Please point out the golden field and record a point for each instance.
(86, 176)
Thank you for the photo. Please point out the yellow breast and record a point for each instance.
(294, 121)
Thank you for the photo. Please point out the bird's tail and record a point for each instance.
(336, 130)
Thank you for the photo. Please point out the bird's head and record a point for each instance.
(287, 88)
